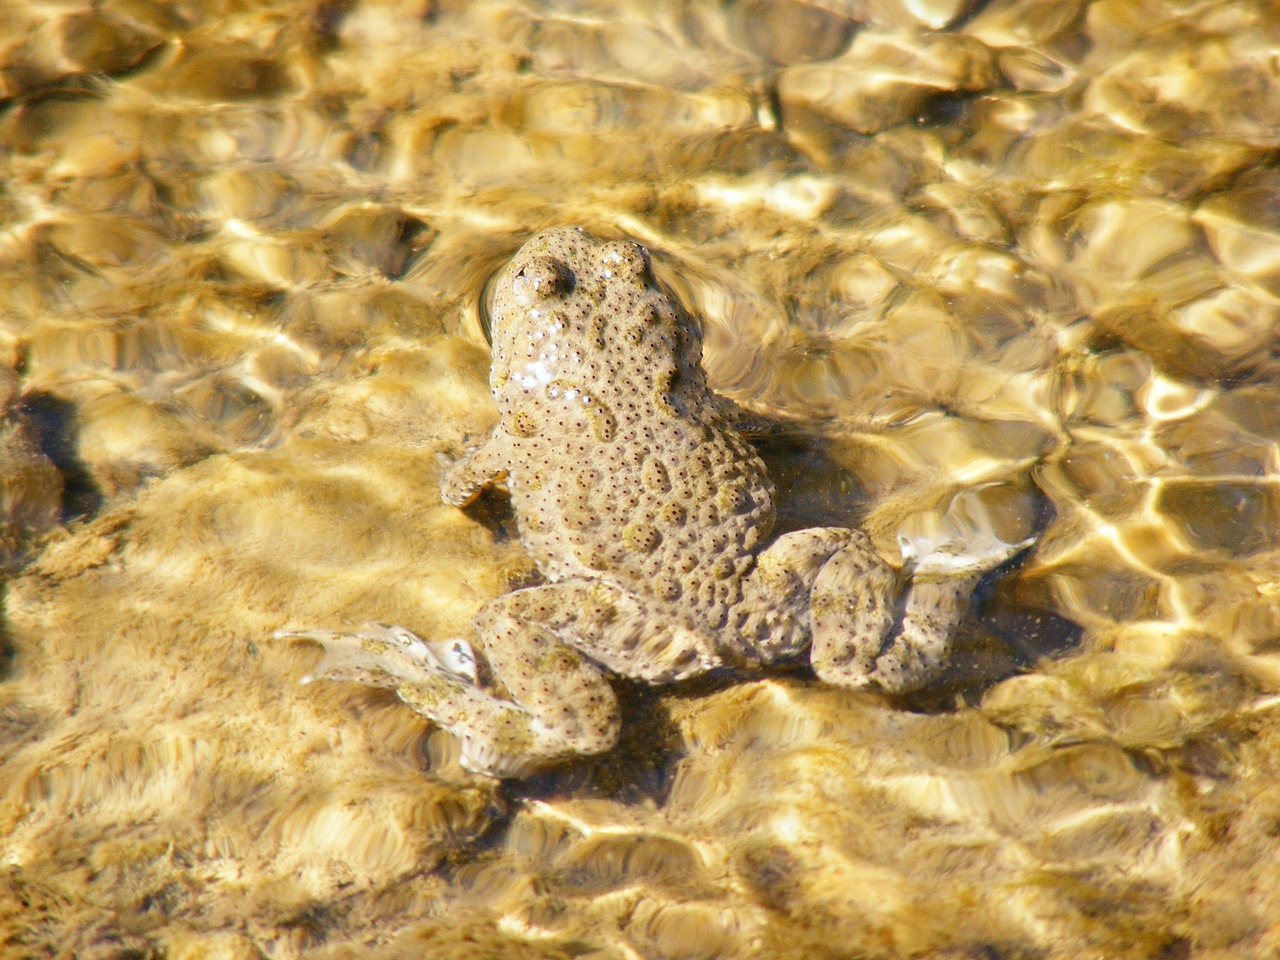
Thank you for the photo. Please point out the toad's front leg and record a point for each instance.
(462, 481)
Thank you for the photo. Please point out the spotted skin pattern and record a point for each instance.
(650, 518)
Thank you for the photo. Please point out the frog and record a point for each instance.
(650, 517)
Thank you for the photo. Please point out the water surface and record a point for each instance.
(1010, 264)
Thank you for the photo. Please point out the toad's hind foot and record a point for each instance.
(943, 577)
(861, 639)
(382, 655)
(944, 558)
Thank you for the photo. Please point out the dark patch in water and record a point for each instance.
(54, 422)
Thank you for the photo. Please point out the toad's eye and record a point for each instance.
(625, 260)
(542, 277)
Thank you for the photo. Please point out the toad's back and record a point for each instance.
(622, 464)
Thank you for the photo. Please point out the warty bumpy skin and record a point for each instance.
(650, 517)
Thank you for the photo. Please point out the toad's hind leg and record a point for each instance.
(559, 704)
(856, 606)
(853, 606)
(853, 610)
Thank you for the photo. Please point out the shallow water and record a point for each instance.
(1009, 265)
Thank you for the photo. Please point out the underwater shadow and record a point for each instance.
(54, 422)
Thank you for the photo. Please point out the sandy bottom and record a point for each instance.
(1015, 262)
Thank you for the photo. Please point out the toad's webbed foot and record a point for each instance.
(901, 643)
(382, 655)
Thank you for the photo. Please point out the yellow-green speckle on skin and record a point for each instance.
(557, 660)
(641, 537)
(603, 423)
(524, 424)
(654, 476)
(513, 733)
(673, 515)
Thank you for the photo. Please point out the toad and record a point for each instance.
(651, 519)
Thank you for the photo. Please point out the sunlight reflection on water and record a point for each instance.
(1010, 265)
